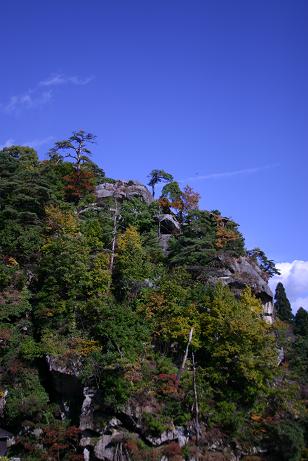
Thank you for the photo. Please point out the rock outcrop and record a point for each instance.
(123, 190)
(168, 224)
(241, 272)
(3, 397)
(66, 384)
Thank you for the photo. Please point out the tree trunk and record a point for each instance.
(114, 234)
(182, 368)
(196, 405)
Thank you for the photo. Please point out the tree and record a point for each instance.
(24, 193)
(171, 197)
(81, 181)
(238, 349)
(301, 322)
(132, 263)
(75, 147)
(197, 247)
(266, 265)
(157, 176)
(282, 304)
(190, 199)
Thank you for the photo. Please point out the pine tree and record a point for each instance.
(301, 322)
(282, 304)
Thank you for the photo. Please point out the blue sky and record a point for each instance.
(214, 91)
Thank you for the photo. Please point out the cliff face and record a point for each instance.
(237, 273)
(135, 430)
(242, 272)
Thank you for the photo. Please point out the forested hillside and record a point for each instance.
(135, 326)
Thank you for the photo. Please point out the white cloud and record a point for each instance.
(294, 277)
(42, 93)
(228, 174)
(29, 99)
(60, 79)
(9, 142)
(35, 143)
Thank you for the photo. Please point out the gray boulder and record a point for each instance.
(123, 190)
(168, 224)
(240, 272)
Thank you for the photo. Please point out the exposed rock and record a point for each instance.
(6, 440)
(87, 442)
(86, 454)
(3, 402)
(268, 311)
(243, 272)
(86, 416)
(177, 433)
(66, 367)
(168, 224)
(281, 355)
(65, 379)
(123, 190)
(37, 432)
(164, 240)
(110, 446)
(239, 273)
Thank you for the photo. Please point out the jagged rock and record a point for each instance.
(168, 224)
(86, 454)
(37, 432)
(239, 273)
(164, 240)
(135, 408)
(268, 311)
(104, 449)
(86, 415)
(87, 442)
(110, 447)
(6, 440)
(281, 355)
(66, 367)
(123, 190)
(177, 433)
(65, 378)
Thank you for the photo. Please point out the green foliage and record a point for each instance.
(133, 266)
(122, 332)
(126, 327)
(287, 440)
(238, 347)
(301, 322)
(282, 304)
(137, 214)
(157, 176)
(27, 398)
(198, 246)
(265, 264)
(156, 424)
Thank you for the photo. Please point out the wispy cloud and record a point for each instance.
(9, 142)
(38, 142)
(29, 99)
(41, 93)
(61, 79)
(35, 143)
(229, 174)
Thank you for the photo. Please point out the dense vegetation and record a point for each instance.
(91, 286)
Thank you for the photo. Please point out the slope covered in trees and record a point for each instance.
(90, 303)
